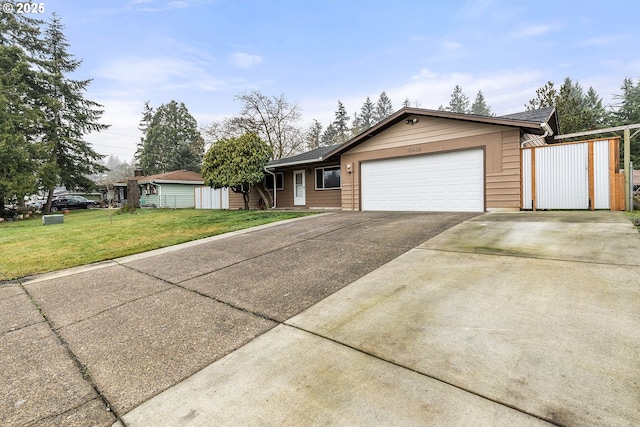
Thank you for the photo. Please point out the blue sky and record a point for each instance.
(204, 52)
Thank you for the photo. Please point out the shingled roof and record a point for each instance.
(541, 115)
(306, 157)
(173, 177)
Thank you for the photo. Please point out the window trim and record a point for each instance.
(315, 178)
(276, 178)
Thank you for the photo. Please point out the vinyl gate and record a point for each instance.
(211, 198)
(580, 175)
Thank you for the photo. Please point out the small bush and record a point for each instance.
(128, 209)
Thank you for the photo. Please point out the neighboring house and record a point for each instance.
(165, 190)
(416, 160)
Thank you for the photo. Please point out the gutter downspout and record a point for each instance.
(275, 185)
(547, 132)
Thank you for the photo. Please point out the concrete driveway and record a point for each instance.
(88, 346)
(524, 319)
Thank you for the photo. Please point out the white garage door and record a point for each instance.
(451, 182)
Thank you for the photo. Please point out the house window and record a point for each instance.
(327, 178)
(279, 181)
(242, 188)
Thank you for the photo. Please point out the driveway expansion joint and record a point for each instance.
(184, 288)
(481, 396)
(86, 375)
(525, 256)
(113, 308)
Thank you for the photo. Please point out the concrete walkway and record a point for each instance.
(87, 346)
(520, 319)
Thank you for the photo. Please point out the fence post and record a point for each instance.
(627, 172)
(631, 187)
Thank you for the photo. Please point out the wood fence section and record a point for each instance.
(616, 189)
(573, 175)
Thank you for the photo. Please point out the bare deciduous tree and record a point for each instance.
(274, 119)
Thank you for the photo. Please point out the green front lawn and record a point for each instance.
(27, 247)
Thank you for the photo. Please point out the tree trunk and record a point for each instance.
(266, 196)
(245, 197)
(47, 206)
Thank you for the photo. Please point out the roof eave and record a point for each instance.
(296, 163)
(171, 181)
(409, 111)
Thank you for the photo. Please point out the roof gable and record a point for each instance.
(526, 125)
(527, 121)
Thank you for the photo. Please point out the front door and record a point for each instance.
(299, 198)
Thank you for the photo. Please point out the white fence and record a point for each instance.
(569, 176)
(211, 198)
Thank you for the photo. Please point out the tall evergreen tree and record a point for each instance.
(314, 135)
(480, 107)
(69, 117)
(576, 111)
(384, 108)
(20, 114)
(367, 115)
(545, 97)
(459, 102)
(406, 103)
(17, 165)
(341, 124)
(356, 124)
(171, 140)
(329, 136)
(628, 106)
(572, 112)
(599, 117)
(628, 112)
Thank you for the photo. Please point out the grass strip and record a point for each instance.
(27, 247)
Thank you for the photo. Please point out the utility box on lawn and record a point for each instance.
(52, 219)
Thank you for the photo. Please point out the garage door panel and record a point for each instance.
(436, 182)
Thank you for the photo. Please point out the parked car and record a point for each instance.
(71, 202)
(35, 204)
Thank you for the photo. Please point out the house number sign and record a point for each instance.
(414, 149)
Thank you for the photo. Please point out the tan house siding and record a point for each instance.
(284, 197)
(314, 198)
(237, 202)
(503, 188)
(329, 198)
(432, 135)
(426, 130)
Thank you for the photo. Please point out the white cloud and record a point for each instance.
(159, 73)
(122, 137)
(424, 73)
(244, 60)
(451, 45)
(505, 91)
(600, 41)
(177, 5)
(532, 31)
